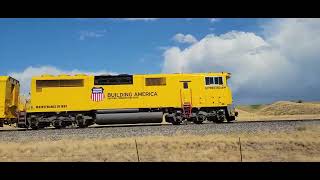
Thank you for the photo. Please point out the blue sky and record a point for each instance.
(114, 44)
(265, 56)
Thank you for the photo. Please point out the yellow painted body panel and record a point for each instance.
(136, 95)
(9, 97)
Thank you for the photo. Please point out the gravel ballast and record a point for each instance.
(152, 130)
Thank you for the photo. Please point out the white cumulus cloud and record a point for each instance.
(141, 19)
(213, 20)
(181, 38)
(281, 64)
(91, 34)
(25, 76)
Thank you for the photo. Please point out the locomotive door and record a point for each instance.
(186, 98)
(185, 92)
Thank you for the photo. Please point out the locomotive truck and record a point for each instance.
(83, 100)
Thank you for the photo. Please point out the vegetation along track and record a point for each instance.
(154, 130)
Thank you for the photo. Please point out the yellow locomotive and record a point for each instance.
(84, 100)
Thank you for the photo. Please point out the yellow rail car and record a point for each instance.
(9, 99)
(86, 99)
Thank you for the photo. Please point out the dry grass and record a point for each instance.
(244, 116)
(251, 108)
(290, 108)
(301, 145)
(281, 110)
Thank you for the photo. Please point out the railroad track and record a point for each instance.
(267, 121)
(165, 124)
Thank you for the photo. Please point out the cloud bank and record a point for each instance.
(280, 64)
(141, 19)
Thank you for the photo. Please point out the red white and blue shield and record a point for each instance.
(97, 94)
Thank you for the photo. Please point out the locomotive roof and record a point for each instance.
(5, 78)
(47, 76)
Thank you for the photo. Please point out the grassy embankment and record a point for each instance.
(281, 110)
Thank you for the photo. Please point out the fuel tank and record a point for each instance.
(128, 118)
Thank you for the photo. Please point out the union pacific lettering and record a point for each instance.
(131, 94)
(146, 94)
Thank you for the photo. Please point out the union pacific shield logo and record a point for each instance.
(97, 94)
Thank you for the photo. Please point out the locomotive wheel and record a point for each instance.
(220, 119)
(221, 116)
(195, 120)
(176, 123)
(198, 119)
(198, 122)
(213, 119)
(21, 125)
(34, 123)
(34, 127)
(59, 125)
(41, 126)
(176, 120)
(82, 125)
(81, 122)
(230, 118)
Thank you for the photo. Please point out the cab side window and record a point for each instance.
(213, 81)
(185, 85)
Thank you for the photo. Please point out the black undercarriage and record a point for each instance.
(175, 116)
(198, 116)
